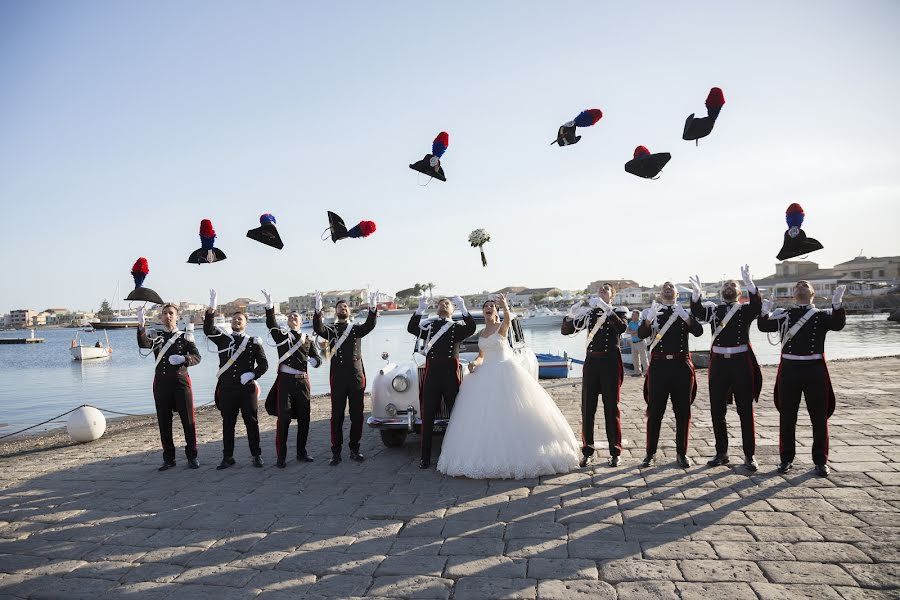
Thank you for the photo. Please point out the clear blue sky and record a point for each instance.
(122, 125)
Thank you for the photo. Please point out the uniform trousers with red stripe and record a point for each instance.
(441, 384)
(665, 379)
(729, 374)
(807, 378)
(600, 377)
(293, 403)
(174, 394)
(243, 400)
(348, 386)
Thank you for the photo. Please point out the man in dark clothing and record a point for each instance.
(290, 392)
(242, 361)
(734, 373)
(802, 370)
(603, 369)
(671, 372)
(440, 340)
(348, 374)
(174, 353)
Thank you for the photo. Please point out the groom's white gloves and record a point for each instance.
(268, 298)
(373, 301)
(176, 359)
(838, 297)
(212, 300)
(140, 316)
(247, 378)
(423, 304)
(460, 305)
(318, 301)
(575, 310)
(748, 282)
(681, 312)
(696, 288)
(767, 306)
(651, 313)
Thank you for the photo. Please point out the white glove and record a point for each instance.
(838, 296)
(268, 298)
(373, 301)
(573, 311)
(212, 299)
(423, 304)
(318, 301)
(176, 359)
(247, 377)
(748, 282)
(593, 301)
(314, 361)
(651, 313)
(696, 288)
(140, 316)
(460, 305)
(603, 305)
(189, 327)
(778, 313)
(767, 306)
(681, 312)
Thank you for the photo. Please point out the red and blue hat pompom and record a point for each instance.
(362, 229)
(716, 98)
(641, 151)
(139, 271)
(267, 219)
(794, 217)
(440, 145)
(588, 117)
(207, 234)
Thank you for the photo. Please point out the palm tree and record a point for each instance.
(429, 286)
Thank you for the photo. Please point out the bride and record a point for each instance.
(504, 424)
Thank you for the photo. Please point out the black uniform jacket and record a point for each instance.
(809, 340)
(349, 355)
(673, 343)
(183, 346)
(446, 348)
(606, 340)
(297, 360)
(252, 359)
(736, 333)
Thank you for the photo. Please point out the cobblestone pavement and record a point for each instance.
(98, 521)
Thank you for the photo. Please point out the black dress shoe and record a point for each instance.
(785, 466)
(614, 461)
(750, 463)
(585, 461)
(823, 470)
(169, 464)
(258, 462)
(718, 460)
(649, 461)
(335, 460)
(356, 456)
(228, 461)
(304, 458)
(280, 463)
(424, 464)
(683, 461)
(193, 463)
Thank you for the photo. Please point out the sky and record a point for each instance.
(122, 125)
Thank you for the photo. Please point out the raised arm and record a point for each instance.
(274, 330)
(765, 322)
(695, 327)
(617, 322)
(369, 325)
(838, 317)
(467, 327)
(507, 316)
(413, 326)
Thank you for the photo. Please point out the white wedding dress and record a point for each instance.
(504, 425)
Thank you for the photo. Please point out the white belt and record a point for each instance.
(805, 357)
(289, 370)
(732, 350)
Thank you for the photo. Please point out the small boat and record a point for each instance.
(542, 317)
(82, 352)
(553, 366)
(117, 322)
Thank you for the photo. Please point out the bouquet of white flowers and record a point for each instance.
(478, 239)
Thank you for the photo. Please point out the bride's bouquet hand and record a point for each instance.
(471, 367)
(504, 304)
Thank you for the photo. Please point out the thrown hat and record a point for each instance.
(696, 128)
(266, 233)
(431, 164)
(566, 134)
(647, 165)
(339, 230)
(207, 252)
(139, 272)
(795, 241)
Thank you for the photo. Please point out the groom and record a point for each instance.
(440, 339)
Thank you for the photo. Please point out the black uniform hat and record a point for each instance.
(339, 230)
(696, 128)
(647, 165)
(431, 164)
(207, 252)
(266, 233)
(795, 241)
(565, 136)
(140, 293)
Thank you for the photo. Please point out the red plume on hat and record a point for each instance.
(139, 271)
(716, 98)
(640, 151)
(206, 229)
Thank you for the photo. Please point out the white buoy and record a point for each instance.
(86, 424)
